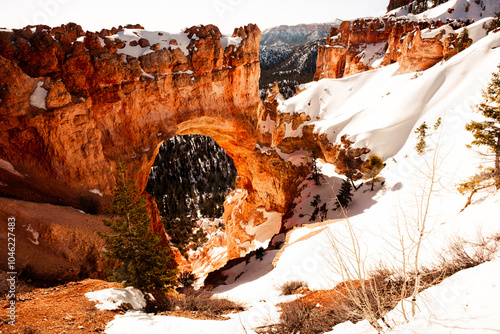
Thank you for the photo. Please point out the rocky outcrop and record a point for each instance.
(52, 243)
(365, 44)
(393, 4)
(73, 104)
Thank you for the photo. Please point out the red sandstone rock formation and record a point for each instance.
(364, 44)
(72, 105)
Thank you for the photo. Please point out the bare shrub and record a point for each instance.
(380, 292)
(301, 317)
(292, 287)
(202, 304)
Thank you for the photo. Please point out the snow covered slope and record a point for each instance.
(380, 110)
(455, 9)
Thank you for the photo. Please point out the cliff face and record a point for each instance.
(393, 4)
(74, 103)
(365, 44)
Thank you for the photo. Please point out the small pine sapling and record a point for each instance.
(344, 198)
(464, 41)
(187, 279)
(487, 133)
(259, 253)
(315, 204)
(375, 165)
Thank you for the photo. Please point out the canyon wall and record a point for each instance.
(365, 44)
(74, 104)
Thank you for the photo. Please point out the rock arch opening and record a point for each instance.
(102, 106)
(189, 180)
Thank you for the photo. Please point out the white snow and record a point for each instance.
(95, 191)
(112, 299)
(267, 126)
(226, 41)
(34, 233)
(147, 75)
(264, 232)
(164, 39)
(467, 302)
(373, 54)
(380, 110)
(458, 6)
(37, 99)
(7, 166)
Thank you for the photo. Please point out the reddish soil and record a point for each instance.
(61, 309)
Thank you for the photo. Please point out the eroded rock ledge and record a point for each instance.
(73, 104)
(364, 44)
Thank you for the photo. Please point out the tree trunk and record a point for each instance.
(496, 172)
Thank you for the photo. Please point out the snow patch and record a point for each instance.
(154, 37)
(34, 233)
(226, 41)
(37, 99)
(373, 54)
(147, 75)
(95, 191)
(264, 232)
(5, 165)
(112, 299)
(463, 303)
(267, 126)
(431, 34)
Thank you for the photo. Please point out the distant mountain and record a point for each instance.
(296, 35)
(288, 55)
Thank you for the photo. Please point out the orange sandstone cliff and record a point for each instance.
(73, 104)
(364, 44)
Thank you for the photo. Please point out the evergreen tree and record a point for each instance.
(143, 262)
(487, 133)
(464, 41)
(375, 165)
(493, 24)
(315, 204)
(316, 174)
(345, 195)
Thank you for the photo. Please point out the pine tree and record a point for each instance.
(375, 165)
(143, 262)
(345, 195)
(464, 41)
(487, 133)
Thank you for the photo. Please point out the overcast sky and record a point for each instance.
(172, 16)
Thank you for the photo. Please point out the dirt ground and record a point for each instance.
(57, 310)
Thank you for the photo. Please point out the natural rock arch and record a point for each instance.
(72, 106)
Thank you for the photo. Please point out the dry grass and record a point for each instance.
(293, 287)
(319, 311)
(194, 305)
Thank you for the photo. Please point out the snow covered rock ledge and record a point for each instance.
(112, 299)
